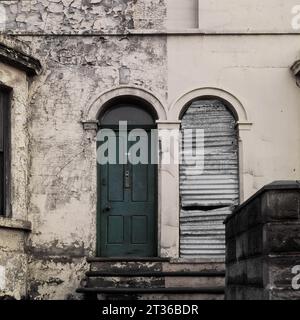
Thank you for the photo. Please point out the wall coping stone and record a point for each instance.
(276, 185)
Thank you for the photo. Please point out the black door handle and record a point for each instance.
(107, 208)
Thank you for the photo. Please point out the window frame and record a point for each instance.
(5, 100)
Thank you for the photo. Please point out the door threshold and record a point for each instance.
(127, 259)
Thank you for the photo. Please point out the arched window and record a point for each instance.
(209, 193)
(134, 115)
(136, 111)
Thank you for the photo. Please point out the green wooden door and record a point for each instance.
(126, 209)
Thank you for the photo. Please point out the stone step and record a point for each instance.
(129, 266)
(125, 282)
(139, 282)
(162, 296)
(155, 279)
(146, 265)
(211, 273)
(153, 294)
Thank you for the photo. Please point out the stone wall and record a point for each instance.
(13, 258)
(263, 245)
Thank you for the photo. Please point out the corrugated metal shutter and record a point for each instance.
(208, 196)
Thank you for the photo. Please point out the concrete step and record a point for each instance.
(203, 293)
(144, 278)
(129, 266)
(162, 296)
(125, 282)
(157, 279)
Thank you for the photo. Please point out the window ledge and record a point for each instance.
(8, 223)
(197, 260)
(19, 59)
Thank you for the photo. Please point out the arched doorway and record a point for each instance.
(127, 187)
(208, 193)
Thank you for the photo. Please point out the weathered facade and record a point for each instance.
(65, 61)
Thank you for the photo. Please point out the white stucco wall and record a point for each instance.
(234, 16)
(256, 70)
(271, 16)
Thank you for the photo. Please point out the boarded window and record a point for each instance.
(208, 194)
(4, 152)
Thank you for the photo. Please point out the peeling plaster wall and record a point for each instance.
(13, 238)
(83, 16)
(61, 167)
(63, 164)
(13, 262)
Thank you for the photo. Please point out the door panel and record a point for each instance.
(115, 229)
(139, 229)
(115, 180)
(139, 190)
(127, 208)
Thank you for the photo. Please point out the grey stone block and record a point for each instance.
(254, 212)
(230, 293)
(281, 205)
(282, 237)
(230, 230)
(255, 241)
(280, 273)
(241, 222)
(255, 271)
(242, 246)
(236, 273)
(277, 294)
(230, 250)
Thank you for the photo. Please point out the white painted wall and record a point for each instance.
(182, 14)
(233, 16)
(246, 15)
(256, 70)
